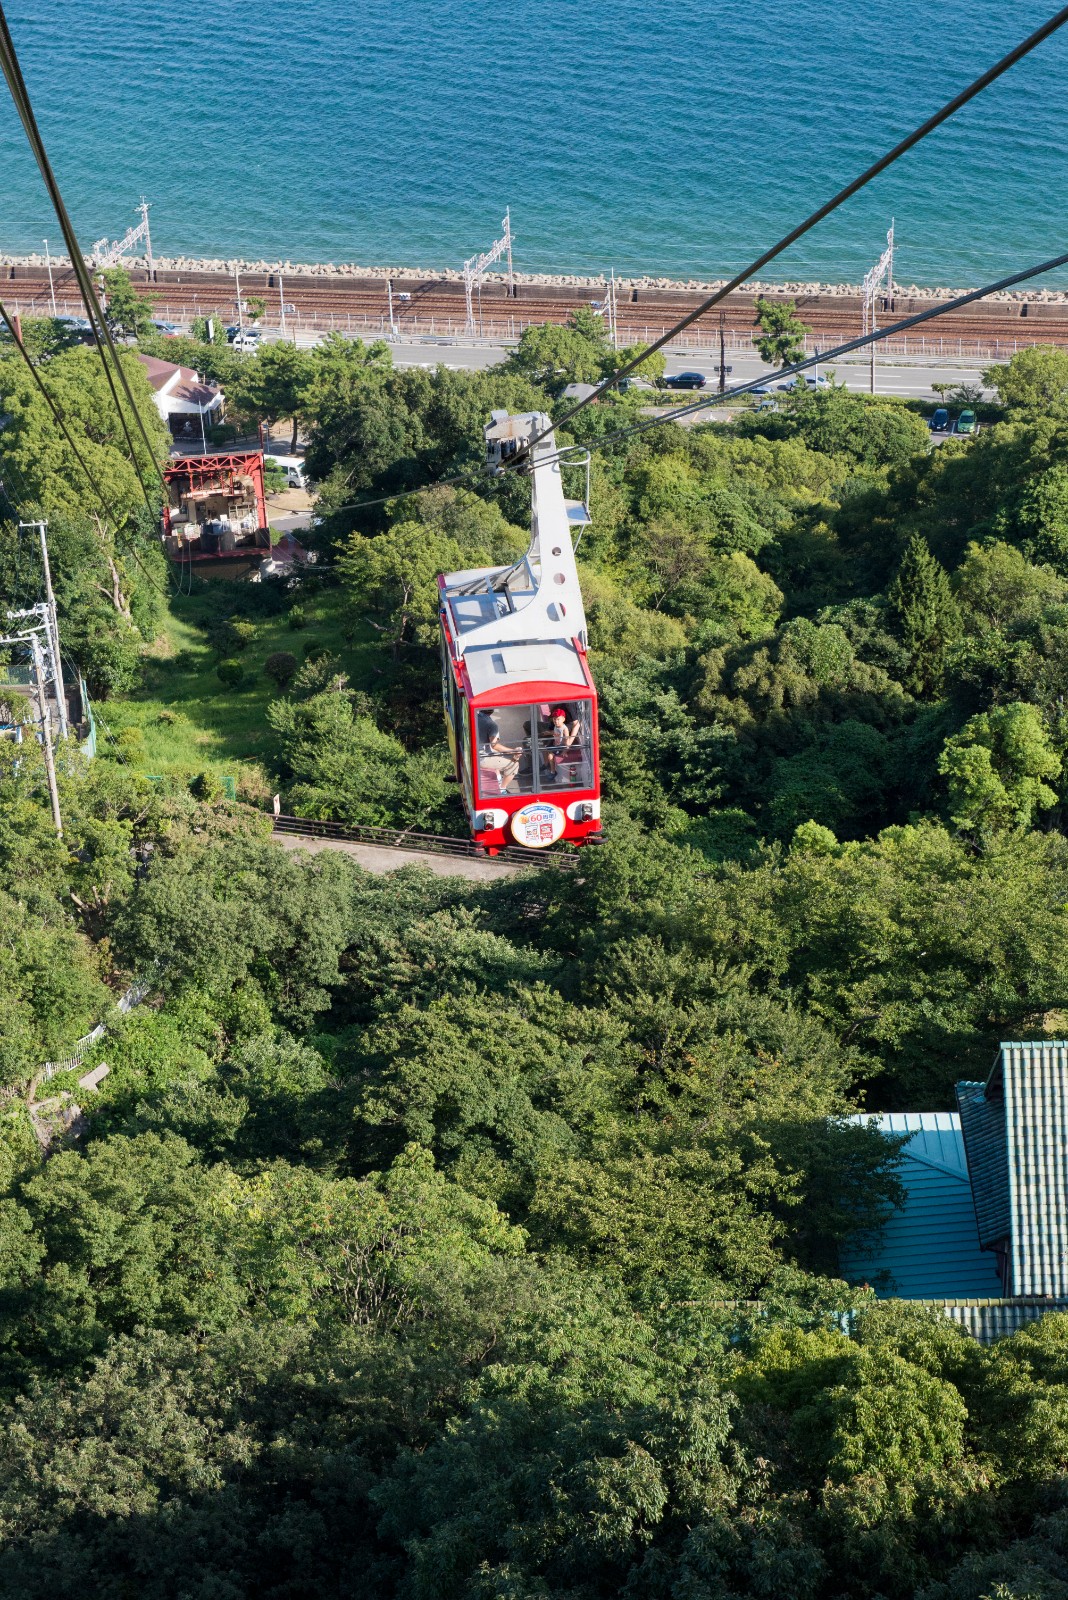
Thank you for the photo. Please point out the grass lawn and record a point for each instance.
(189, 722)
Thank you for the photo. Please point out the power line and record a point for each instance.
(61, 423)
(97, 321)
(984, 81)
(52, 406)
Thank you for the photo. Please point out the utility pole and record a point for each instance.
(46, 733)
(612, 304)
(237, 281)
(52, 625)
(722, 356)
(882, 272)
(143, 208)
(282, 305)
(51, 285)
(475, 270)
(389, 297)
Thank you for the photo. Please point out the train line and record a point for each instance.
(310, 298)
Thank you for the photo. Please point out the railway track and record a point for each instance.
(417, 301)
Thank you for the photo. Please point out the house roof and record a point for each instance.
(161, 373)
(1031, 1078)
(983, 1126)
(927, 1248)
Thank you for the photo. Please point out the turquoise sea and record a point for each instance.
(653, 136)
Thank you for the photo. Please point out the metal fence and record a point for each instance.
(133, 997)
(507, 330)
(426, 843)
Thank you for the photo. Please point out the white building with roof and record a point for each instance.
(188, 406)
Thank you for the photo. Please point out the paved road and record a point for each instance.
(909, 378)
(913, 380)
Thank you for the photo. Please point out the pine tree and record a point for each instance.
(922, 604)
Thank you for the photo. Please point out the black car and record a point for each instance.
(686, 380)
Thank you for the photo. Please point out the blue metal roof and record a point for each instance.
(982, 1120)
(929, 1247)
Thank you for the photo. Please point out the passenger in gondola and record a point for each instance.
(565, 731)
(495, 758)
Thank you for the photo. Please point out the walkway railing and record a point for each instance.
(428, 843)
(133, 997)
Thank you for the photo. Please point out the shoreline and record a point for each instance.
(343, 272)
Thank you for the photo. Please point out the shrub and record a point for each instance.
(222, 433)
(230, 673)
(205, 786)
(297, 618)
(231, 634)
(131, 741)
(280, 667)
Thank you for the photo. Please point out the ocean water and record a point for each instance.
(672, 137)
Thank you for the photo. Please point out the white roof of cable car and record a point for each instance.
(494, 667)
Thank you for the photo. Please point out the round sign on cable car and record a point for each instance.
(538, 824)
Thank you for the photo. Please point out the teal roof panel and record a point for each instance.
(929, 1247)
(982, 1120)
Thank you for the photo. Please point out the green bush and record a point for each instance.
(231, 634)
(297, 618)
(222, 433)
(280, 667)
(205, 786)
(230, 673)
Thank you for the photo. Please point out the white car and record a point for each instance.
(247, 339)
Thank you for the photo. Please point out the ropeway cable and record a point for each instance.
(976, 87)
(62, 425)
(97, 321)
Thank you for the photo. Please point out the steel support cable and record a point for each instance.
(62, 425)
(821, 358)
(97, 321)
(57, 414)
(1015, 55)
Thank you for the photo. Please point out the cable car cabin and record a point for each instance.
(520, 704)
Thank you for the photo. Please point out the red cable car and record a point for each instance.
(520, 703)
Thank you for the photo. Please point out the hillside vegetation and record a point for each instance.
(431, 1240)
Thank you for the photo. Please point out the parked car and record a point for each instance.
(685, 380)
(940, 422)
(966, 422)
(169, 330)
(636, 383)
(247, 339)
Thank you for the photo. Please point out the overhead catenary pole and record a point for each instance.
(237, 283)
(475, 270)
(880, 278)
(51, 284)
(46, 733)
(281, 305)
(143, 208)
